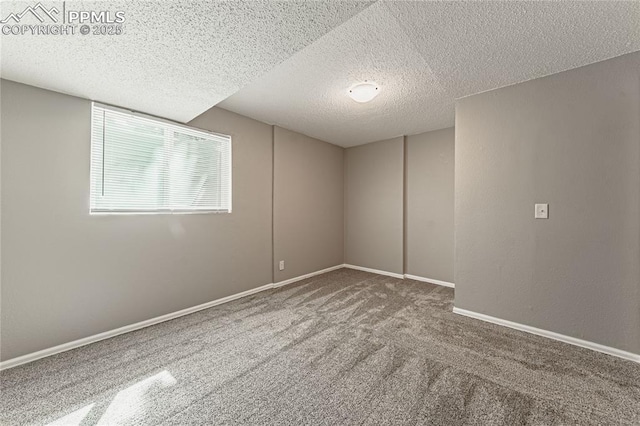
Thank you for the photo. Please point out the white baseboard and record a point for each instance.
(551, 335)
(14, 362)
(429, 280)
(401, 276)
(374, 271)
(302, 277)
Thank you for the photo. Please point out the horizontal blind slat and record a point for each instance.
(139, 164)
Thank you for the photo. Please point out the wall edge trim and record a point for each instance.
(374, 271)
(305, 276)
(429, 280)
(33, 356)
(550, 335)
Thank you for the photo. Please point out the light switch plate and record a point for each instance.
(542, 211)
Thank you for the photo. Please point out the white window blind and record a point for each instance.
(141, 164)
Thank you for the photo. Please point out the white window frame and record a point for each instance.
(153, 119)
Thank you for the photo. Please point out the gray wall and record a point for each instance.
(571, 140)
(429, 205)
(308, 204)
(374, 181)
(68, 275)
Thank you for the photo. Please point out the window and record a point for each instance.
(141, 164)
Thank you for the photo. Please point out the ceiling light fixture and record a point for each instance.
(364, 92)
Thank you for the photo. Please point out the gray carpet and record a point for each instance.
(346, 347)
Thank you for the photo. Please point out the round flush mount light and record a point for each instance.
(364, 92)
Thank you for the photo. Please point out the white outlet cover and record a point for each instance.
(542, 211)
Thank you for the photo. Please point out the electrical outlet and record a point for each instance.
(282, 265)
(542, 211)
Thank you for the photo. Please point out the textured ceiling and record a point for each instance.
(291, 62)
(175, 59)
(424, 55)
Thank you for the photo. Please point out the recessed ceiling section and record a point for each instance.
(425, 55)
(306, 93)
(175, 59)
